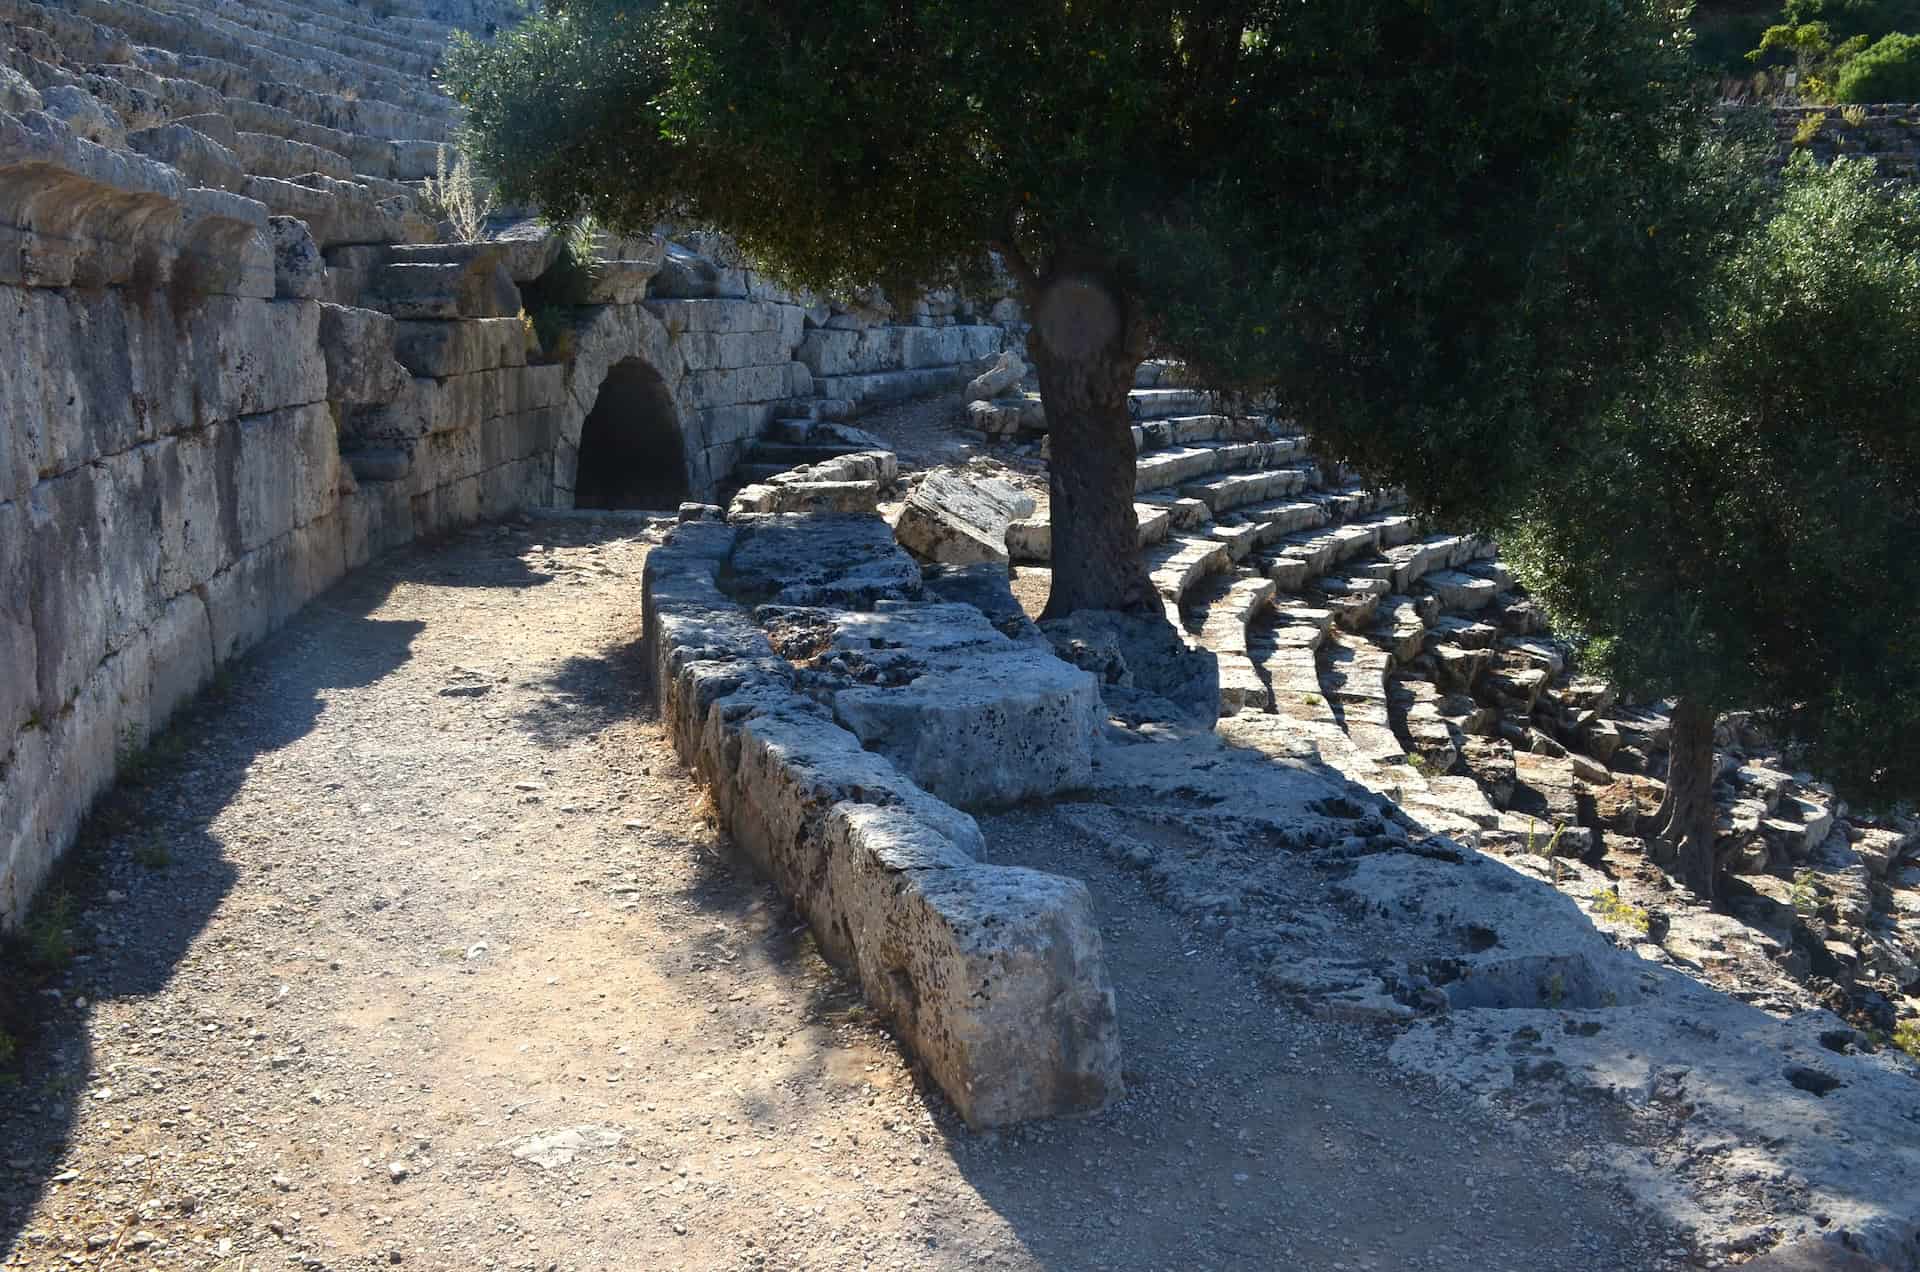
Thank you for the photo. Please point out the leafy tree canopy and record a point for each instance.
(1434, 230)
(1741, 529)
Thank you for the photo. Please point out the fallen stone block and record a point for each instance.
(958, 518)
(961, 709)
(1006, 373)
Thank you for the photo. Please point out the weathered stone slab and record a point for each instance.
(850, 561)
(994, 977)
(358, 347)
(959, 517)
(476, 289)
(961, 709)
(459, 348)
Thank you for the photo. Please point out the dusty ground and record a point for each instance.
(416, 950)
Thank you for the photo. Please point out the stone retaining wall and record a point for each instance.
(1889, 134)
(242, 359)
(992, 975)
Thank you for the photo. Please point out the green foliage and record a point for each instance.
(1809, 128)
(1887, 72)
(1746, 510)
(1850, 18)
(1435, 231)
(50, 943)
(141, 764)
(1804, 896)
(453, 194)
(1723, 34)
(1906, 1036)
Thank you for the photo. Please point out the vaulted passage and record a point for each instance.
(630, 450)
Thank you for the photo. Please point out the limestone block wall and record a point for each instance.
(1889, 134)
(242, 359)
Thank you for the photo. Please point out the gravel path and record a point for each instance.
(414, 948)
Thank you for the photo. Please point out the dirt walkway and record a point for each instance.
(417, 951)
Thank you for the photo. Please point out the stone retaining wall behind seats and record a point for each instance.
(1889, 134)
(992, 975)
(239, 363)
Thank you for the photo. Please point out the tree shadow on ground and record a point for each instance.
(1256, 1136)
(148, 870)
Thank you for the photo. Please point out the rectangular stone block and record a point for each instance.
(286, 470)
(90, 567)
(254, 356)
(251, 598)
(747, 384)
(723, 317)
(460, 348)
(84, 378)
(994, 975)
(18, 657)
(376, 518)
(179, 657)
(26, 848)
(708, 351)
(724, 425)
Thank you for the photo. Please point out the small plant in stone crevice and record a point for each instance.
(1906, 1037)
(1804, 897)
(48, 940)
(453, 194)
(138, 763)
(1610, 905)
(1552, 844)
(1809, 128)
(1553, 991)
(1855, 116)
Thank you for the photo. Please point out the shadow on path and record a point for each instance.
(149, 870)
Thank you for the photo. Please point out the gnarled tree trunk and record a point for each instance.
(1088, 337)
(1688, 806)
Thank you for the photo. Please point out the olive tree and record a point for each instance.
(1433, 231)
(1739, 529)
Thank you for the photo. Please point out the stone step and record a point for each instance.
(338, 212)
(1030, 539)
(1236, 489)
(1183, 560)
(1460, 593)
(1216, 619)
(277, 31)
(1188, 430)
(1163, 469)
(875, 388)
(403, 50)
(1307, 555)
(1160, 404)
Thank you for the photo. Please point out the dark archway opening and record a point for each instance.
(630, 450)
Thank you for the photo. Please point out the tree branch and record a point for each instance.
(1008, 246)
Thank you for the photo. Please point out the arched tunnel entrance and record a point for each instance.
(630, 450)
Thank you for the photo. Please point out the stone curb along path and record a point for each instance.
(993, 975)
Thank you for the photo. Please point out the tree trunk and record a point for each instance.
(1689, 802)
(1088, 337)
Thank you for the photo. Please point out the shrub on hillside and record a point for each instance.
(1889, 71)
